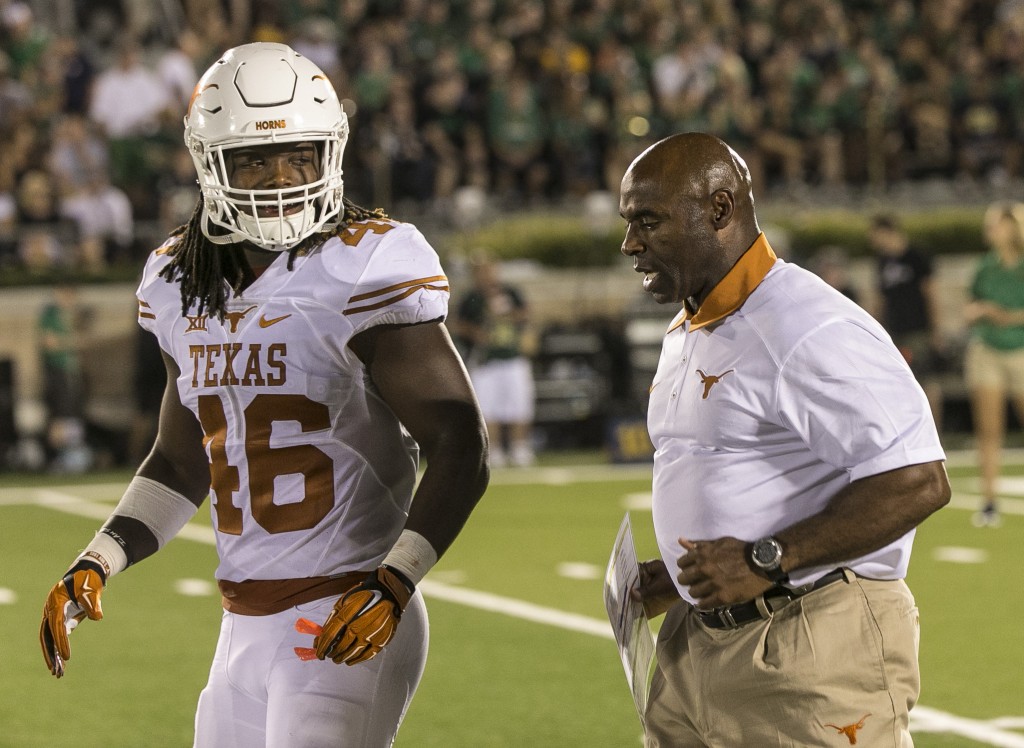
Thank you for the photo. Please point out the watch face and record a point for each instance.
(766, 553)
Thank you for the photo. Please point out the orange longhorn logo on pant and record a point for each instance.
(710, 380)
(850, 731)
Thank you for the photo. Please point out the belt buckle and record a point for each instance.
(725, 616)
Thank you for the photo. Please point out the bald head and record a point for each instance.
(689, 210)
(698, 164)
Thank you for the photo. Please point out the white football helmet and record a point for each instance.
(265, 94)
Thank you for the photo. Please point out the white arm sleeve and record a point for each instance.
(161, 509)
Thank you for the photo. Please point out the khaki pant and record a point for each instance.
(987, 367)
(836, 667)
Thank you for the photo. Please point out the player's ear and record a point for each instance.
(723, 206)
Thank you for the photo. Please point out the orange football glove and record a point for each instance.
(72, 599)
(365, 618)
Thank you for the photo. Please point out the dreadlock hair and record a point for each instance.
(202, 265)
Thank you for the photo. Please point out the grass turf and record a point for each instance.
(491, 679)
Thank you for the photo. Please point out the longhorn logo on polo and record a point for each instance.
(710, 380)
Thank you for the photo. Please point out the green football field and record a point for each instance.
(521, 652)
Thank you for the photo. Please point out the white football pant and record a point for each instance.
(261, 694)
(505, 390)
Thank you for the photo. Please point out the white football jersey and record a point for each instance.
(311, 473)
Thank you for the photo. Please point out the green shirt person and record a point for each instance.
(994, 361)
(999, 282)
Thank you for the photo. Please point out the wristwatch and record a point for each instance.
(766, 555)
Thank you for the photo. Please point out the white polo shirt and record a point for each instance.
(779, 392)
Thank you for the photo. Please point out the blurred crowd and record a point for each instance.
(519, 102)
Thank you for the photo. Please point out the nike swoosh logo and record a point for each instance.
(375, 597)
(264, 322)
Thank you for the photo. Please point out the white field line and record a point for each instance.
(972, 502)
(509, 606)
(69, 504)
(923, 719)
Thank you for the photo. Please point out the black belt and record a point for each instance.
(761, 607)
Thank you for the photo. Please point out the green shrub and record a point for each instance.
(552, 239)
(942, 231)
(564, 240)
(124, 272)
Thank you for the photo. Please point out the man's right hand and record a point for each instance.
(75, 597)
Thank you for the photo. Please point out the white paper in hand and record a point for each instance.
(629, 623)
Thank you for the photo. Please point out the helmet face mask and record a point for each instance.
(265, 95)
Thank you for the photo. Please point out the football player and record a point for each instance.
(308, 367)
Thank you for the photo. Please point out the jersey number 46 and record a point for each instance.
(266, 463)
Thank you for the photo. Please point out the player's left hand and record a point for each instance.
(73, 598)
(365, 618)
(717, 572)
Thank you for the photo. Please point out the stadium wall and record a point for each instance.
(556, 296)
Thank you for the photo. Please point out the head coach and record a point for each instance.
(795, 456)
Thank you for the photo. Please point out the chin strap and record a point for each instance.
(280, 232)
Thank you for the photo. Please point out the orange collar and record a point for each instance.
(734, 288)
